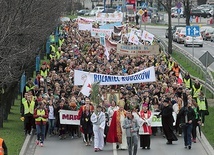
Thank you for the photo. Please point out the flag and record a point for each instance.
(133, 39)
(180, 79)
(86, 88)
(106, 53)
(147, 36)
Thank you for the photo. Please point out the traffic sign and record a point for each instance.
(192, 31)
(179, 5)
(144, 5)
(179, 11)
(206, 59)
(140, 12)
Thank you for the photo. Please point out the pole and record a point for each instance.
(206, 76)
(178, 19)
(123, 8)
(193, 47)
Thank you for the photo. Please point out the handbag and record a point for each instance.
(206, 113)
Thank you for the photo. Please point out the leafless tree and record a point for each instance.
(167, 4)
(25, 26)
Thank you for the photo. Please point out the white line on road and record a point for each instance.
(114, 149)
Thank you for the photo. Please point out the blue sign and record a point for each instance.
(144, 5)
(179, 5)
(179, 11)
(193, 31)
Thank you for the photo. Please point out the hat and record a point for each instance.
(145, 105)
(90, 63)
(121, 103)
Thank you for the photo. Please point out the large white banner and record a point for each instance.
(85, 26)
(100, 32)
(157, 122)
(110, 17)
(69, 117)
(146, 75)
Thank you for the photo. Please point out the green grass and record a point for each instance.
(208, 128)
(13, 131)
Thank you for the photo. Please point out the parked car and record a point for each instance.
(181, 35)
(199, 13)
(207, 33)
(83, 12)
(96, 10)
(212, 37)
(109, 10)
(188, 40)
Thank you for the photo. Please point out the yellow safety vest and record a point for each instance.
(187, 83)
(53, 49)
(61, 41)
(196, 91)
(201, 104)
(29, 88)
(28, 108)
(1, 148)
(44, 73)
(170, 65)
(41, 113)
(52, 38)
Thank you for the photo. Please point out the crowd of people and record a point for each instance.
(116, 121)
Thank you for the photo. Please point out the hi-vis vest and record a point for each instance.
(201, 104)
(187, 83)
(44, 73)
(28, 108)
(196, 91)
(52, 38)
(41, 113)
(61, 41)
(170, 65)
(1, 148)
(53, 49)
(29, 88)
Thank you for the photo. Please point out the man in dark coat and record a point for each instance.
(167, 121)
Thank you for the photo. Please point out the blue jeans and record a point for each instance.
(187, 131)
(51, 123)
(40, 129)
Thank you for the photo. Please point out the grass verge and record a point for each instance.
(13, 132)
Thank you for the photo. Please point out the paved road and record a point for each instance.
(69, 146)
(198, 51)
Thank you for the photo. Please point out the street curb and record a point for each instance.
(26, 144)
(206, 145)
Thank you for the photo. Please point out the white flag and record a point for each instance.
(86, 88)
(147, 36)
(133, 38)
(106, 53)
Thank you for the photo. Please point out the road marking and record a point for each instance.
(114, 149)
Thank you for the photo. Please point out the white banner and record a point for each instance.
(69, 117)
(157, 122)
(110, 17)
(100, 32)
(85, 26)
(146, 75)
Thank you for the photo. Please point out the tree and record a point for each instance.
(25, 25)
(187, 10)
(167, 4)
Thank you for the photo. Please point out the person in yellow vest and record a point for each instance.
(29, 86)
(40, 115)
(52, 38)
(61, 41)
(196, 89)
(203, 106)
(28, 107)
(44, 70)
(187, 81)
(170, 64)
(3, 147)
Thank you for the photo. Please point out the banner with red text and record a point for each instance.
(69, 117)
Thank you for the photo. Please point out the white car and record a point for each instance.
(96, 10)
(188, 40)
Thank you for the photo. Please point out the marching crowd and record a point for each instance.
(121, 120)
